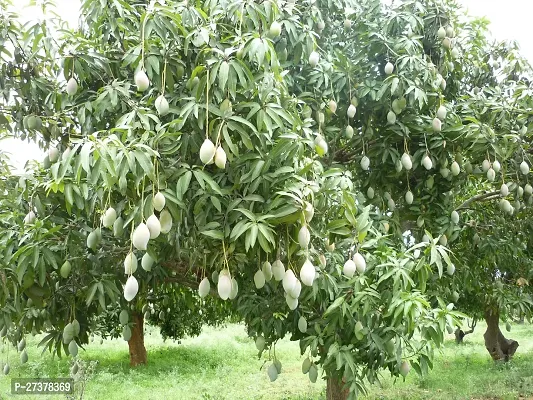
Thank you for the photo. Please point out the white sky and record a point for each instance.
(509, 21)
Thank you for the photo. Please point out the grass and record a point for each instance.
(222, 364)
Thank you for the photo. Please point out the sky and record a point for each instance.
(509, 21)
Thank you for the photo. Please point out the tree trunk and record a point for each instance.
(136, 343)
(335, 391)
(497, 345)
(459, 336)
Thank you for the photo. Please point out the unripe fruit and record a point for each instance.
(123, 317)
(450, 269)
(528, 189)
(72, 87)
(370, 193)
(320, 25)
(409, 197)
(455, 168)
(166, 221)
(304, 237)
(65, 269)
(450, 32)
(349, 268)
(491, 175)
(360, 262)
(93, 239)
(159, 201)
(161, 105)
(23, 357)
(21, 345)
(234, 289)
(141, 81)
(485, 165)
(109, 217)
(278, 270)
(140, 237)
(292, 303)
(443, 240)
(224, 286)
(267, 271)
(437, 125)
(389, 68)
(30, 218)
(53, 154)
(365, 163)
(296, 290)
(405, 367)
(391, 117)
(147, 262)
(443, 84)
(272, 373)
(207, 151)
(332, 106)
(309, 211)
(391, 204)
(441, 33)
(351, 111)
(313, 373)
(220, 158)
(349, 132)
(131, 288)
(275, 29)
(427, 163)
(455, 217)
(307, 273)
(406, 161)
(289, 281)
(524, 168)
(204, 288)
(260, 343)
(347, 23)
(441, 113)
(314, 57)
(321, 146)
(447, 43)
(118, 227)
(455, 53)
(496, 166)
(259, 279)
(73, 348)
(154, 226)
(302, 324)
(130, 264)
(126, 333)
(504, 190)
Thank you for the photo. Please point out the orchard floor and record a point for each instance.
(222, 364)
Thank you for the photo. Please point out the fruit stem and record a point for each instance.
(207, 106)
(218, 134)
(164, 79)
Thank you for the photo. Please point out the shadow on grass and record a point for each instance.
(189, 360)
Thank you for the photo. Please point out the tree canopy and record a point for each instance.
(342, 171)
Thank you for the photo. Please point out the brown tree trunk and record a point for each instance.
(136, 343)
(499, 347)
(459, 336)
(335, 391)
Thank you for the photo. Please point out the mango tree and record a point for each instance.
(274, 154)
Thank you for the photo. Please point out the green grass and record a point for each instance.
(222, 364)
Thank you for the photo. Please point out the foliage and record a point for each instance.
(279, 107)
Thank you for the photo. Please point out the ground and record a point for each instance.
(222, 364)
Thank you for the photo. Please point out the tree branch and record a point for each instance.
(480, 197)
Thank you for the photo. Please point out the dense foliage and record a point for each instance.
(335, 127)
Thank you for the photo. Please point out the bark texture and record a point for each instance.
(460, 334)
(335, 391)
(136, 343)
(498, 346)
